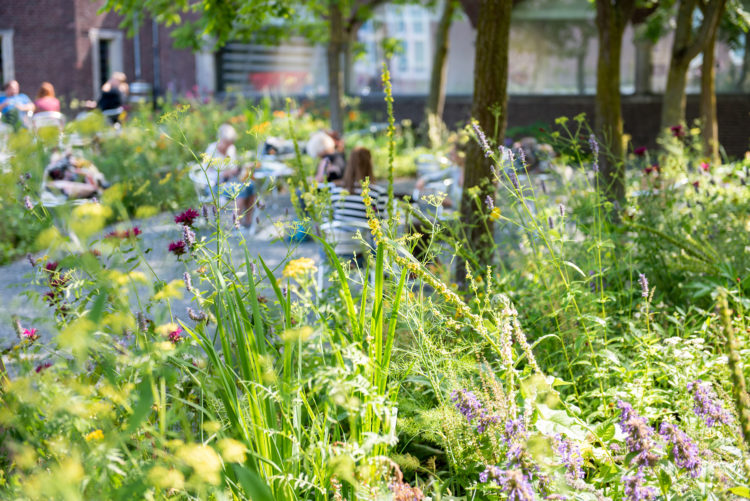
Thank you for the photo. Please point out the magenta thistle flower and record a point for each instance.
(124, 234)
(683, 450)
(174, 336)
(640, 151)
(42, 366)
(51, 266)
(30, 334)
(177, 248)
(677, 130)
(187, 218)
(707, 404)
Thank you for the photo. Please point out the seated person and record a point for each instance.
(434, 182)
(330, 156)
(74, 177)
(113, 94)
(14, 104)
(346, 193)
(223, 171)
(46, 100)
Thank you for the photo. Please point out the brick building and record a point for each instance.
(70, 44)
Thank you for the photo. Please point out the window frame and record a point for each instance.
(6, 46)
(116, 58)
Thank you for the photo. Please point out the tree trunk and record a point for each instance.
(436, 97)
(685, 47)
(740, 85)
(643, 66)
(708, 100)
(611, 19)
(490, 91)
(335, 74)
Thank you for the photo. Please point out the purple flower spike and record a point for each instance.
(707, 404)
(684, 451)
(571, 457)
(471, 408)
(595, 151)
(644, 284)
(635, 490)
(639, 435)
(515, 484)
(482, 139)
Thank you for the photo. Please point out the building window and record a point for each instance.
(7, 70)
(106, 55)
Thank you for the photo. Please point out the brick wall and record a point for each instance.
(51, 43)
(641, 114)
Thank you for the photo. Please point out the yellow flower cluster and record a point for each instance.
(495, 214)
(299, 268)
(94, 435)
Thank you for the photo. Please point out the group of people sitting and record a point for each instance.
(342, 177)
(16, 106)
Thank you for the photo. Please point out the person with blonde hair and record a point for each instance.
(331, 160)
(45, 99)
(224, 172)
(113, 94)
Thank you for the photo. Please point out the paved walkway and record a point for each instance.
(15, 299)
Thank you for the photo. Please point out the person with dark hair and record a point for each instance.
(113, 95)
(346, 194)
(45, 99)
(13, 103)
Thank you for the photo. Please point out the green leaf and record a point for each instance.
(665, 482)
(606, 432)
(741, 491)
(254, 486)
(143, 407)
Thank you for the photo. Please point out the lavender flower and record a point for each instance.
(562, 210)
(27, 203)
(684, 451)
(196, 316)
(188, 236)
(204, 210)
(482, 140)
(188, 281)
(635, 490)
(513, 178)
(595, 150)
(31, 260)
(235, 220)
(471, 408)
(571, 457)
(515, 484)
(707, 404)
(551, 223)
(522, 156)
(640, 435)
(489, 202)
(644, 284)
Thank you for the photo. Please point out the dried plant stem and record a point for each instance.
(741, 397)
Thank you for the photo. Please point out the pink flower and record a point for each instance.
(187, 218)
(30, 334)
(174, 336)
(677, 130)
(51, 266)
(705, 166)
(41, 367)
(123, 234)
(640, 151)
(177, 248)
(653, 168)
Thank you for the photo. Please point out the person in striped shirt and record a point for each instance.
(346, 194)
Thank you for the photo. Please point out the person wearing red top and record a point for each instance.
(45, 99)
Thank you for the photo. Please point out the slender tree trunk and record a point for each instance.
(708, 100)
(335, 73)
(436, 97)
(490, 91)
(643, 66)
(739, 86)
(611, 19)
(675, 99)
(685, 47)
